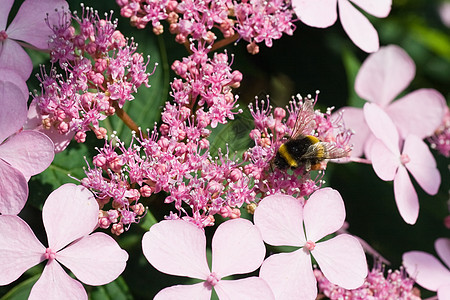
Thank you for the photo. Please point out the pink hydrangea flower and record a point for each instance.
(382, 77)
(391, 160)
(70, 214)
(23, 153)
(428, 271)
(281, 219)
(179, 248)
(323, 13)
(29, 26)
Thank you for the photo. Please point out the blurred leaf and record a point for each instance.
(234, 135)
(148, 221)
(435, 40)
(38, 57)
(352, 65)
(22, 290)
(70, 161)
(117, 290)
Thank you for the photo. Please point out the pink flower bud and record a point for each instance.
(117, 229)
(80, 137)
(145, 191)
(235, 175)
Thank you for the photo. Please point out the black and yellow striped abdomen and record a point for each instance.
(299, 151)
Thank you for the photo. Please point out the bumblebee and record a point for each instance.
(303, 150)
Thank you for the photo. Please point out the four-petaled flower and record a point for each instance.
(382, 76)
(70, 214)
(284, 221)
(179, 248)
(391, 160)
(428, 271)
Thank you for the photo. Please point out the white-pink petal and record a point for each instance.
(96, 259)
(384, 162)
(290, 275)
(357, 27)
(384, 74)
(342, 261)
(426, 269)
(55, 284)
(377, 8)
(419, 113)
(442, 246)
(328, 204)
(14, 109)
(280, 219)
(354, 119)
(443, 292)
(198, 291)
(69, 213)
(406, 196)
(29, 24)
(178, 248)
(382, 127)
(15, 78)
(29, 151)
(422, 165)
(14, 58)
(4, 12)
(250, 288)
(19, 248)
(316, 13)
(13, 189)
(237, 248)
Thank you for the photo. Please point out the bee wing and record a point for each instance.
(304, 123)
(324, 150)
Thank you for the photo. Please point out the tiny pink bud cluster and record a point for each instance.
(101, 71)
(441, 138)
(177, 160)
(255, 21)
(395, 285)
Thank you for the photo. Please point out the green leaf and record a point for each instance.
(352, 65)
(117, 290)
(233, 135)
(148, 221)
(22, 290)
(435, 40)
(70, 161)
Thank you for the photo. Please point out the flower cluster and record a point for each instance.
(177, 160)
(396, 285)
(272, 129)
(255, 21)
(100, 71)
(441, 138)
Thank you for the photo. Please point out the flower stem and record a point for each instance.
(224, 42)
(127, 119)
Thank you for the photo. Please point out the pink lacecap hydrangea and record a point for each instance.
(29, 25)
(70, 214)
(178, 248)
(23, 153)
